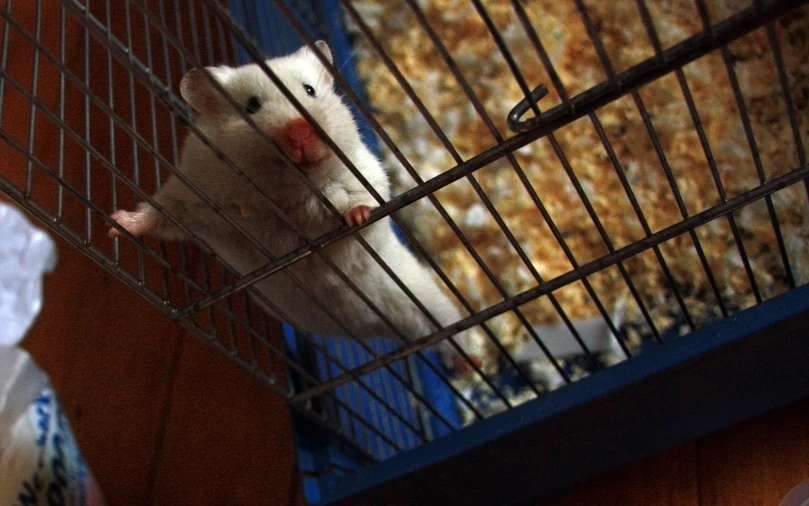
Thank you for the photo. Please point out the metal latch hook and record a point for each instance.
(522, 107)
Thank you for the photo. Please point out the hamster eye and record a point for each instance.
(309, 90)
(253, 105)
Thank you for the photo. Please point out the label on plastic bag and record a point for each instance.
(43, 464)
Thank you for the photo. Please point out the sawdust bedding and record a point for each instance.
(564, 37)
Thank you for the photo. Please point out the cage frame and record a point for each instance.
(768, 338)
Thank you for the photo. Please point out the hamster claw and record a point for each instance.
(357, 215)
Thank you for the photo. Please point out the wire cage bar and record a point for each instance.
(388, 410)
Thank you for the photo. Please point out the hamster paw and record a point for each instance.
(357, 215)
(464, 367)
(455, 362)
(136, 223)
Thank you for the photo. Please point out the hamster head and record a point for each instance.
(307, 80)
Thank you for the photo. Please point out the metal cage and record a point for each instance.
(383, 422)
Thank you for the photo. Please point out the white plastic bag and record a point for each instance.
(26, 253)
(40, 461)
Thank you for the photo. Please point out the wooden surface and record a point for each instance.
(755, 463)
(163, 419)
(160, 417)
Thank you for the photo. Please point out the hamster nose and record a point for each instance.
(298, 133)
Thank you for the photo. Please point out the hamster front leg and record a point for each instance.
(178, 201)
(355, 206)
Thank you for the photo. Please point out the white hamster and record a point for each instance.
(307, 79)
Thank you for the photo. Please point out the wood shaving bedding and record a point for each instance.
(625, 41)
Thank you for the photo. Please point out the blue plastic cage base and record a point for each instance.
(670, 395)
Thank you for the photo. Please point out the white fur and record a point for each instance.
(258, 159)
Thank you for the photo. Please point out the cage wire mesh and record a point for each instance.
(657, 183)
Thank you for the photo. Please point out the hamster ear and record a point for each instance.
(324, 48)
(199, 92)
(308, 52)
